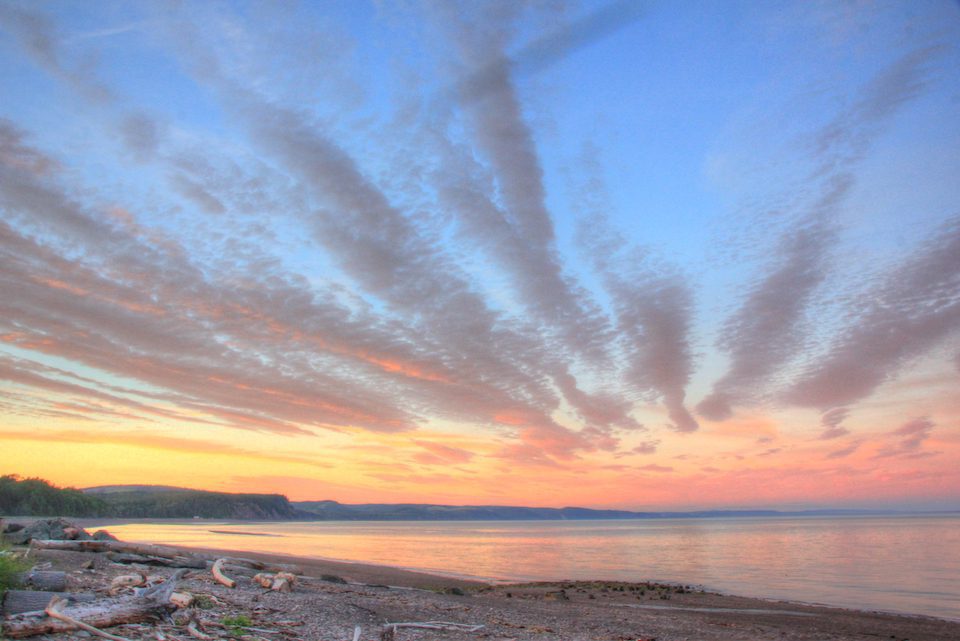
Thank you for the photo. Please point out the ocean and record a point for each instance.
(904, 564)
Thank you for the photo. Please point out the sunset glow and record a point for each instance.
(604, 254)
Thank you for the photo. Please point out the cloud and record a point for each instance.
(909, 439)
(142, 439)
(831, 421)
(653, 467)
(769, 330)
(653, 305)
(845, 451)
(506, 211)
(647, 447)
(437, 453)
(914, 308)
(140, 134)
(39, 38)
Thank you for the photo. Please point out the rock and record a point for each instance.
(58, 529)
(103, 535)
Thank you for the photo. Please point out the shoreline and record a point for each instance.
(378, 573)
(334, 596)
(391, 576)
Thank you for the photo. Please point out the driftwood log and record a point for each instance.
(261, 566)
(20, 601)
(178, 561)
(219, 575)
(102, 613)
(146, 549)
(44, 580)
(149, 554)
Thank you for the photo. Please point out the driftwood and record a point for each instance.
(150, 554)
(280, 582)
(178, 561)
(263, 580)
(193, 628)
(102, 613)
(127, 581)
(218, 574)
(43, 580)
(53, 611)
(389, 631)
(20, 601)
(146, 549)
(232, 561)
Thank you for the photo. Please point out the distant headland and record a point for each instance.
(37, 497)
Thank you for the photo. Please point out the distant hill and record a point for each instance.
(165, 502)
(334, 511)
(36, 497)
(151, 489)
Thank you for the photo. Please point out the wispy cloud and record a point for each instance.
(908, 439)
(769, 329)
(914, 308)
(831, 421)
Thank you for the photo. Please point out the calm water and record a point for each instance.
(898, 564)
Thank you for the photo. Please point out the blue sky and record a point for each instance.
(660, 244)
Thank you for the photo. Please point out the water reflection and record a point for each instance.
(905, 564)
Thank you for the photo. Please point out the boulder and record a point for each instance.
(58, 529)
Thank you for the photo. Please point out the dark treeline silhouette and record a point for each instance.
(36, 497)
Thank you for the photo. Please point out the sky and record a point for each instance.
(642, 255)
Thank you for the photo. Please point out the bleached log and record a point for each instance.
(263, 566)
(264, 580)
(53, 610)
(20, 601)
(51, 581)
(146, 549)
(170, 562)
(218, 574)
(389, 631)
(102, 613)
(281, 585)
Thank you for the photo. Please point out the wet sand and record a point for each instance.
(590, 610)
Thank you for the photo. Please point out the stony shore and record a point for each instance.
(331, 599)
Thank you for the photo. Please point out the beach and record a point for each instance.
(331, 599)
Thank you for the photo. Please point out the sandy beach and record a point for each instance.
(333, 598)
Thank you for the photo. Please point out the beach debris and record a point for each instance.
(279, 582)
(23, 601)
(218, 574)
(53, 610)
(181, 599)
(123, 581)
(389, 631)
(50, 581)
(283, 582)
(263, 579)
(193, 628)
(145, 549)
(178, 561)
(62, 615)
